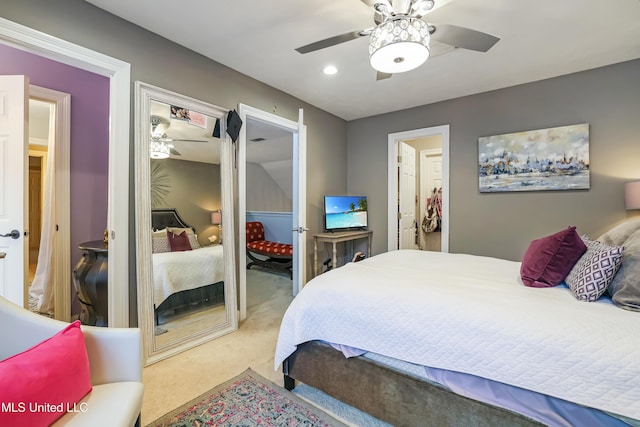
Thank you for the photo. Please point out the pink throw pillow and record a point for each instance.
(179, 242)
(549, 259)
(41, 384)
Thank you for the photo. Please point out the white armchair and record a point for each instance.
(115, 360)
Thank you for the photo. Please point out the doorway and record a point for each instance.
(118, 72)
(417, 160)
(430, 201)
(275, 149)
(49, 228)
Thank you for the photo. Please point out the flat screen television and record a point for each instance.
(345, 213)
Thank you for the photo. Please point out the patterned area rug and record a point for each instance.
(246, 400)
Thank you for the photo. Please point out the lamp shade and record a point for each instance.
(632, 195)
(399, 44)
(216, 217)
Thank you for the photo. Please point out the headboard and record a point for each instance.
(167, 217)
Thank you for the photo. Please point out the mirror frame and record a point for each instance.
(144, 94)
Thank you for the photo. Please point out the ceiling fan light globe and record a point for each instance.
(399, 44)
(399, 57)
(158, 150)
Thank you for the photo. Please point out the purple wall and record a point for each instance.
(89, 137)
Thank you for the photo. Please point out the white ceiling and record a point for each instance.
(539, 40)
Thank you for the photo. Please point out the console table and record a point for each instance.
(90, 280)
(336, 237)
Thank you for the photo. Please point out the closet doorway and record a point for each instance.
(418, 193)
(272, 151)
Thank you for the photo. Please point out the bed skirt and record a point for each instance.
(208, 295)
(388, 394)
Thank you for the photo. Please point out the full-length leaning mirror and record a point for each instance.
(184, 223)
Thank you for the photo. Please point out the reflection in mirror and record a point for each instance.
(186, 275)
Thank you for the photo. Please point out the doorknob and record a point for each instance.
(300, 229)
(14, 234)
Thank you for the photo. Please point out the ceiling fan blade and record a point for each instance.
(174, 152)
(382, 76)
(332, 41)
(464, 38)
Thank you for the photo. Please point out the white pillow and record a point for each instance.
(159, 233)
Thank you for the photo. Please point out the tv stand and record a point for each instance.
(342, 230)
(335, 237)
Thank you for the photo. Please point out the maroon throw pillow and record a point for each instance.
(179, 242)
(549, 260)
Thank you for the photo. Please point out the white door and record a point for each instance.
(299, 204)
(299, 214)
(407, 196)
(14, 244)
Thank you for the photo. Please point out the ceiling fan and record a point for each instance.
(400, 40)
(160, 145)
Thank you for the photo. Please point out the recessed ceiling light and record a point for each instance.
(330, 70)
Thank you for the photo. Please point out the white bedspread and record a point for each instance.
(472, 314)
(180, 271)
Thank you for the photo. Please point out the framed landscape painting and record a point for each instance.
(545, 159)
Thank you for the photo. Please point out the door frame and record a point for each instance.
(299, 214)
(62, 159)
(392, 190)
(119, 74)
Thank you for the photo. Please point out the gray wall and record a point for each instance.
(263, 192)
(502, 225)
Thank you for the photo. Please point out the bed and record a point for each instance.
(429, 338)
(185, 278)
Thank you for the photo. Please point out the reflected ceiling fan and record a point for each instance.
(400, 40)
(160, 146)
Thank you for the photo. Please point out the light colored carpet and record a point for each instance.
(174, 381)
(179, 379)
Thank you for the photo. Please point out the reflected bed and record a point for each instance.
(187, 278)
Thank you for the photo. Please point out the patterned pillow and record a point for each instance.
(193, 241)
(160, 244)
(595, 270)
